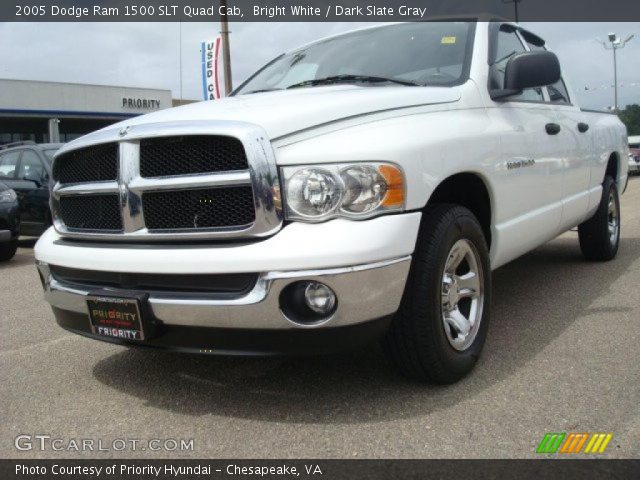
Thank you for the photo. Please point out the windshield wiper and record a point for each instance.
(352, 78)
(262, 90)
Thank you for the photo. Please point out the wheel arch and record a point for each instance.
(613, 167)
(470, 190)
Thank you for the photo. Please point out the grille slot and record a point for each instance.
(91, 164)
(221, 285)
(186, 155)
(199, 208)
(91, 212)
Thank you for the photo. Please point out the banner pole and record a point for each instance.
(224, 32)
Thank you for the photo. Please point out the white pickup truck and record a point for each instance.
(363, 186)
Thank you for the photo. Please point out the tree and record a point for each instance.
(630, 116)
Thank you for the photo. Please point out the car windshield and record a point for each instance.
(423, 53)
(49, 153)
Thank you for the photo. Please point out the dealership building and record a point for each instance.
(59, 112)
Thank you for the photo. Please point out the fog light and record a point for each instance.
(319, 297)
(308, 302)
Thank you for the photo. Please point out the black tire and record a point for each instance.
(596, 241)
(416, 341)
(8, 250)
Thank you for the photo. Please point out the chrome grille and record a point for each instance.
(192, 186)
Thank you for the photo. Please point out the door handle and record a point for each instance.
(552, 128)
(583, 127)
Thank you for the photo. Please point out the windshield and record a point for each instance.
(424, 53)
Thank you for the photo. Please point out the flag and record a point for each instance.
(209, 51)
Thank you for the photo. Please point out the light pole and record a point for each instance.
(616, 44)
(180, 42)
(226, 54)
(515, 7)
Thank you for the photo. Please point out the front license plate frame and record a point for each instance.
(116, 317)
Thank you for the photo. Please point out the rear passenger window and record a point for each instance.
(8, 163)
(508, 44)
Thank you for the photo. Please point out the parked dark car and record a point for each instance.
(9, 223)
(26, 168)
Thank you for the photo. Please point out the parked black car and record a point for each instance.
(26, 168)
(9, 222)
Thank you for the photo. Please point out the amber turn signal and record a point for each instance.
(395, 186)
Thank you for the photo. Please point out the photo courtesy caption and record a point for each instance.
(150, 470)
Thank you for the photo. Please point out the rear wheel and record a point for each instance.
(440, 328)
(8, 250)
(600, 235)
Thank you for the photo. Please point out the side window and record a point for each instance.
(31, 166)
(558, 93)
(8, 163)
(508, 44)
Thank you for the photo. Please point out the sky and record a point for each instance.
(148, 54)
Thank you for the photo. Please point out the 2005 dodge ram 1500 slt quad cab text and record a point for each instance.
(361, 186)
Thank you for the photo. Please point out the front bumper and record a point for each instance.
(368, 295)
(365, 263)
(298, 246)
(364, 292)
(634, 166)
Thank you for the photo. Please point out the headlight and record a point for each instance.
(358, 190)
(8, 196)
(313, 192)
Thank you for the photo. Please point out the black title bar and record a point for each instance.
(317, 469)
(316, 10)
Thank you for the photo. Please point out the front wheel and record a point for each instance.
(600, 235)
(441, 326)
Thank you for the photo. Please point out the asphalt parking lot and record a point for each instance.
(562, 355)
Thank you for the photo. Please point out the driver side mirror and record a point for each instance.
(528, 70)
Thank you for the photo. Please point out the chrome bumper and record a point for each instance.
(364, 292)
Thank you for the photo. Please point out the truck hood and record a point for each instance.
(285, 112)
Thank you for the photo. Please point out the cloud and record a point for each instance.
(148, 54)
